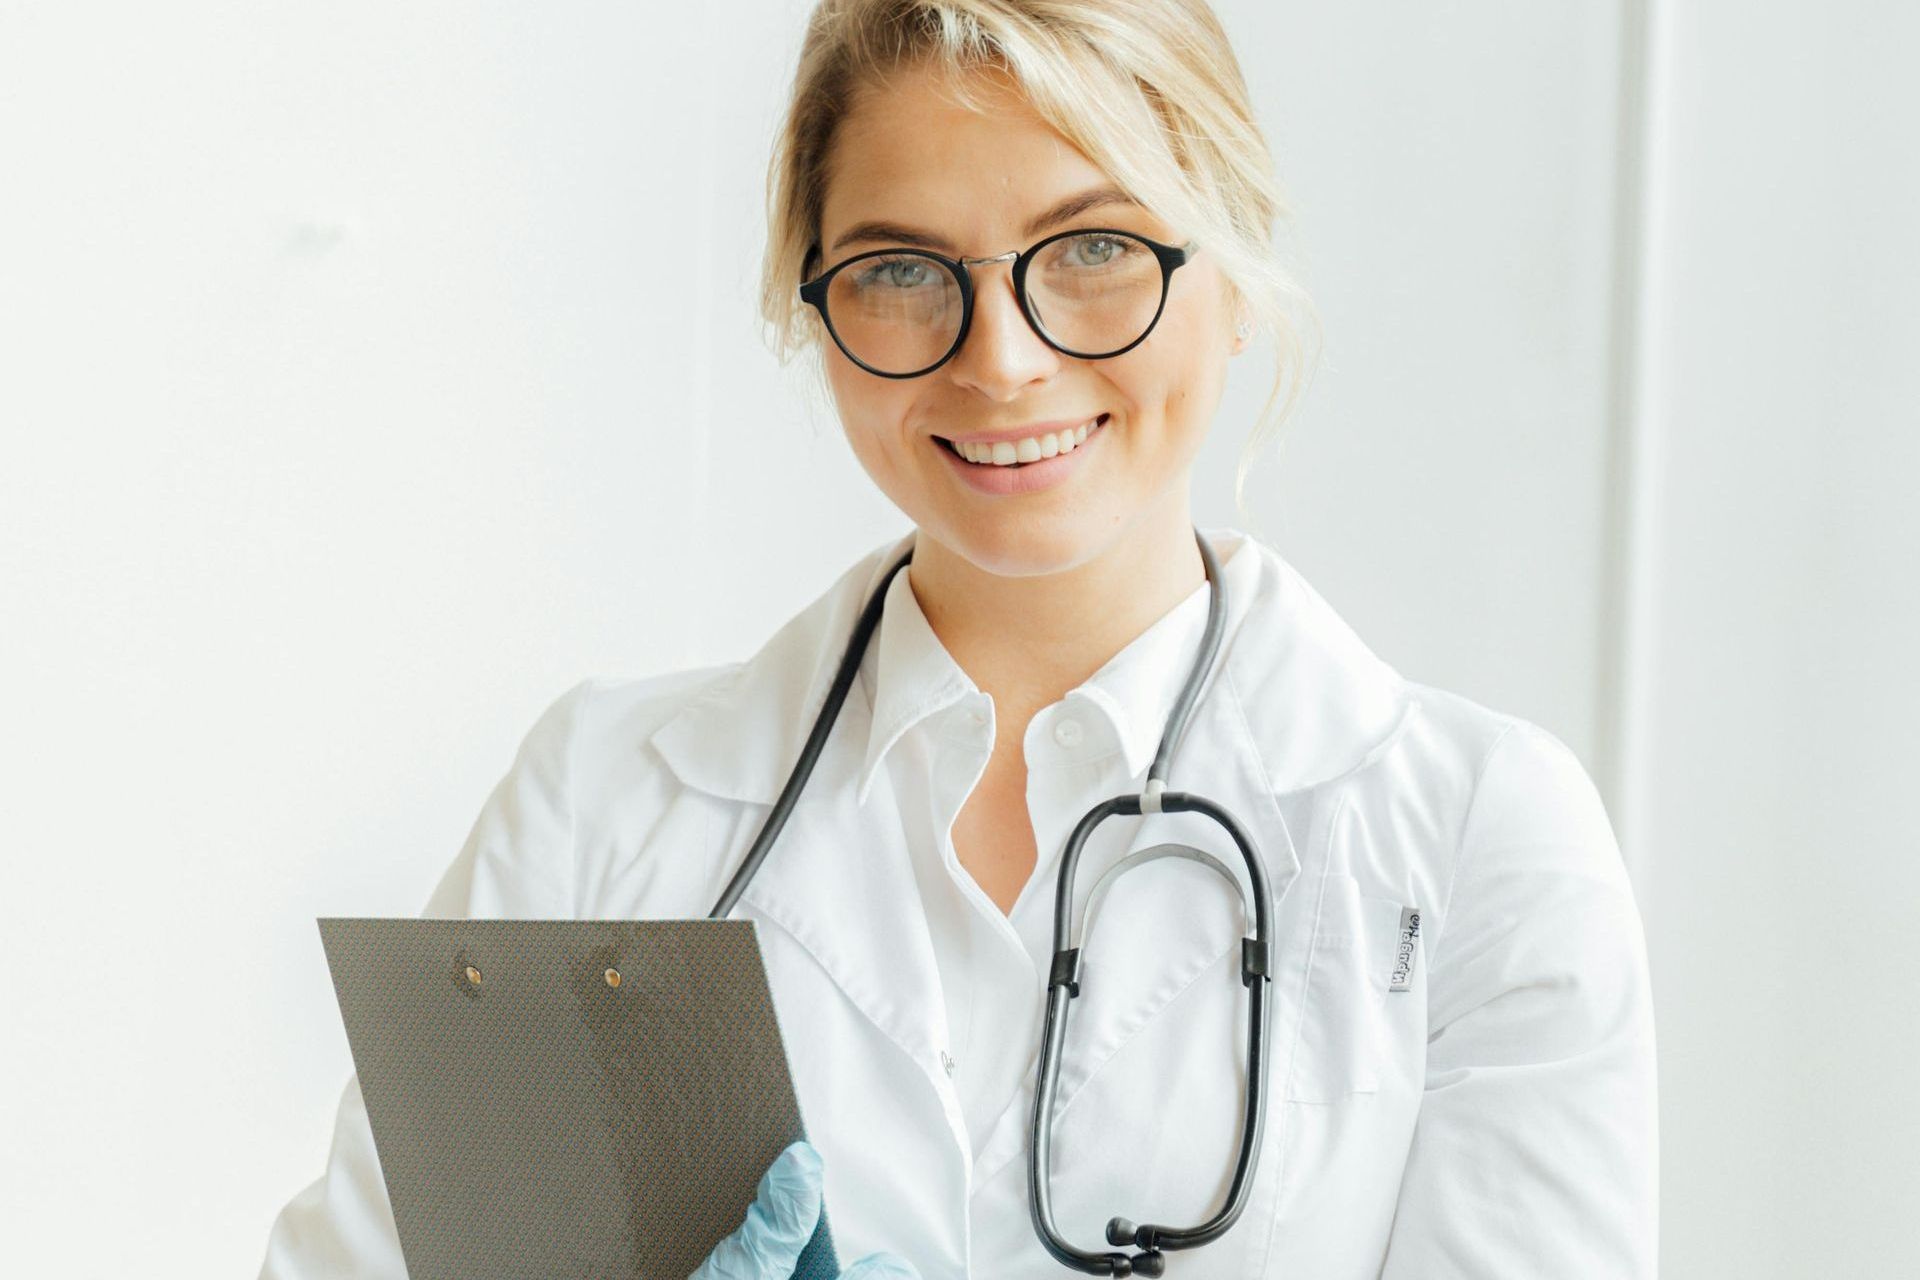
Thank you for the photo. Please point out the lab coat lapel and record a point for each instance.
(841, 886)
(836, 878)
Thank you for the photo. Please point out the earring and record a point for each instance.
(1243, 330)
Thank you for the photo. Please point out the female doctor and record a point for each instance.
(1033, 234)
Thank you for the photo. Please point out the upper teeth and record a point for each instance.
(1004, 453)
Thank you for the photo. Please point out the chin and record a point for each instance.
(1025, 546)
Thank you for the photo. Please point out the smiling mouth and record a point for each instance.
(1005, 454)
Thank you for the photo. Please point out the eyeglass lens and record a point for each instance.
(1092, 294)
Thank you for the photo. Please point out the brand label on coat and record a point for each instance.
(1405, 949)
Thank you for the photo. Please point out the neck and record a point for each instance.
(1027, 640)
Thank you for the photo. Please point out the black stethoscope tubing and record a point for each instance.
(1063, 982)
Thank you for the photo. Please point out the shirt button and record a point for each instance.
(1067, 733)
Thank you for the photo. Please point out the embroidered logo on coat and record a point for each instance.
(1407, 947)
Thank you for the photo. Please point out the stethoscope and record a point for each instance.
(1063, 982)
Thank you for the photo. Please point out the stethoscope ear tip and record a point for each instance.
(1151, 1263)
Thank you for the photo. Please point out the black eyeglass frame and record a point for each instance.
(814, 292)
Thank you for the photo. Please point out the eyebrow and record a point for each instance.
(1071, 207)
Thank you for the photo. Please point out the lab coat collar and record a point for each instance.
(1135, 689)
(915, 675)
(1325, 701)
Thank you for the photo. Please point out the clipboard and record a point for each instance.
(567, 1098)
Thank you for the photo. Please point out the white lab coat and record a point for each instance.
(1496, 1119)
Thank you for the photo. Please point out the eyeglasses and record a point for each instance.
(1089, 293)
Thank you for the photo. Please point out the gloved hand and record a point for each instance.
(780, 1221)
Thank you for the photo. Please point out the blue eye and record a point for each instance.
(1114, 248)
(1077, 261)
(897, 273)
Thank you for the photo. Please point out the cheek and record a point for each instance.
(872, 412)
(1178, 371)
(1199, 326)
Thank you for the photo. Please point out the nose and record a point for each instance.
(1001, 355)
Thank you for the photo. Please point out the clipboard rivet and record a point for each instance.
(473, 975)
(613, 977)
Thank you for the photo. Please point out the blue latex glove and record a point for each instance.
(780, 1221)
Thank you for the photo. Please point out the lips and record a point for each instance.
(1011, 479)
(1020, 447)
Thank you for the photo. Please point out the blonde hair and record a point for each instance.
(1148, 90)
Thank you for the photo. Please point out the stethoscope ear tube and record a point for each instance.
(1063, 987)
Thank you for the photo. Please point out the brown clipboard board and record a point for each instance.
(577, 1098)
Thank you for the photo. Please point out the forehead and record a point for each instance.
(909, 152)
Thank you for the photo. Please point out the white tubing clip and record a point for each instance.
(1150, 796)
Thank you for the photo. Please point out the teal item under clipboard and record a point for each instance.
(567, 1098)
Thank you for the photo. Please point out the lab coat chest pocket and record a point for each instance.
(1343, 1036)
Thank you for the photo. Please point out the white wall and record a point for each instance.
(1779, 749)
(369, 373)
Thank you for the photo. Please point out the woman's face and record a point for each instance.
(972, 185)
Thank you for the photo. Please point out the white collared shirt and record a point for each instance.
(931, 735)
(1473, 1096)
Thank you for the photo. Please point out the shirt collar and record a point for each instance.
(1317, 701)
(911, 674)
